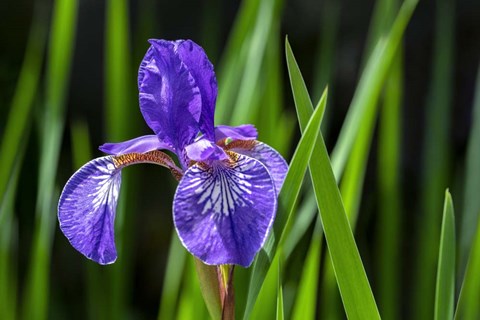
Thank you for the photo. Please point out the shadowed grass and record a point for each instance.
(445, 289)
(436, 160)
(62, 36)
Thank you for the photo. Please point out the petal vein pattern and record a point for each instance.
(86, 210)
(223, 213)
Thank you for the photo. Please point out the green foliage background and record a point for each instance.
(368, 232)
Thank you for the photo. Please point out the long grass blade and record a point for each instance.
(436, 158)
(280, 308)
(471, 200)
(287, 199)
(370, 86)
(306, 299)
(445, 292)
(59, 61)
(468, 307)
(351, 278)
(172, 279)
(22, 102)
(120, 124)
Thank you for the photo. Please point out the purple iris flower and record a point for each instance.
(226, 200)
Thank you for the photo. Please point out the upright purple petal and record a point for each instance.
(193, 56)
(276, 165)
(223, 213)
(140, 145)
(170, 99)
(205, 150)
(86, 210)
(243, 132)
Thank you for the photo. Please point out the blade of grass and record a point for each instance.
(351, 278)
(120, 123)
(172, 279)
(390, 213)
(233, 60)
(306, 300)
(326, 57)
(191, 305)
(370, 86)
(436, 158)
(286, 199)
(8, 273)
(244, 109)
(22, 102)
(280, 313)
(60, 56)
(471, 200)
(445, 292)
(468, 306)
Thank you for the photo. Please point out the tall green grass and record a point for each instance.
(296, 275)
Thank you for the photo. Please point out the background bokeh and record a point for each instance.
(330, 40)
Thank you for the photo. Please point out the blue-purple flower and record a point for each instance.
(226, 200)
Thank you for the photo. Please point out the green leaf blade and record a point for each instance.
(445, 292)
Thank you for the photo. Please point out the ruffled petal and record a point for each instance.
(141, 145)
(205, 150)
(243, 132)
(170, 99)
(223, 213)
(276, 165)
(86, 210)
(193, 56)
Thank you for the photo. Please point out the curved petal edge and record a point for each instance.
(223, 213)
(86, 210)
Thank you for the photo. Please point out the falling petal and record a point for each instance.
(86, 210)
(223, 213)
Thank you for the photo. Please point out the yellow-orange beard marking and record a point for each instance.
(239, 144)
(155, 157)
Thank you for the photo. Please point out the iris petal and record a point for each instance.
(242, 132)
(170, 99)
(141, 145)
(223, 213)
(276, 165)
(205, 150)
(193, 56)
(86, 210)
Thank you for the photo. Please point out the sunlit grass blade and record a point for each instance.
(468, 306)
(436, 159)
(264, 307)
(120, 122)
(325, 57)
(356, 293)
(286, 199)
(306, 297)
(60, 55)
(233, 60)
(244, 109)
(172, 279)
(191, 304)
(370, 86)
(20, 110)
(389, 234)
(8, 235)
(280, 309)
(445, 292)
(471, 200)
